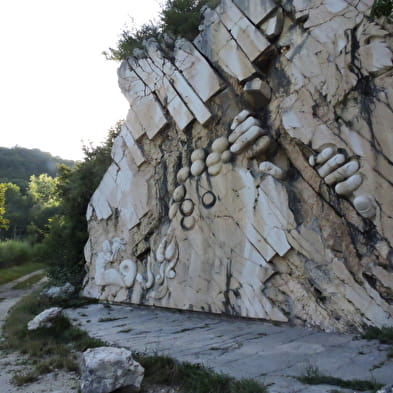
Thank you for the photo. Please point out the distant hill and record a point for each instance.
(17, 164)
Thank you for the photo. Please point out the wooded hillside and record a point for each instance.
(17, 164)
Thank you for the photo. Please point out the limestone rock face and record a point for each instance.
(253, 175)
(106, 369)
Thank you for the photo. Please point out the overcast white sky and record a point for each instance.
(56, 88)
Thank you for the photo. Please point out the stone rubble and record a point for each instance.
(62, 292)
(253, 174)
(106, 369)
(45, 318)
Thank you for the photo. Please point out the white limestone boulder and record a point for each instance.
(60, 292)
(44, 319)
(106, 369)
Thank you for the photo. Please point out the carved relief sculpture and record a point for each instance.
(253, 175)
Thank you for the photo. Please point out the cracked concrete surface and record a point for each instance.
(272, 354)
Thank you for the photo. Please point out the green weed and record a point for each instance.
(313, 376)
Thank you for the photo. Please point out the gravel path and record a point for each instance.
(12, 362)
(242, 348)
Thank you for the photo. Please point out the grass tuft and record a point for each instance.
(192, 378)
(384, 335)
(49, 349)
(314, 377)
(27, 284)
(8, 274)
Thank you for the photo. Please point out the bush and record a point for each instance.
(178, 18)
(15, 252)
(382, 8)
(62, 247)
(182, 17)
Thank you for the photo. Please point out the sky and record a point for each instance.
(57, 90)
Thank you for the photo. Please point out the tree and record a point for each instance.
(42, 190)
(67, 236)
(17, 208)
(3, 221)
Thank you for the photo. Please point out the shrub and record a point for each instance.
(62, 247)
(382, 8)
(177, 18)
(15, 252)
(182, 17)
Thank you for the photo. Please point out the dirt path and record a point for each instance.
(13, 362)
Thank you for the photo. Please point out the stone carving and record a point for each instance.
(345, 175)
(253, 174)
(124, 275)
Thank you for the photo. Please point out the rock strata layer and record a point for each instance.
(253, 174)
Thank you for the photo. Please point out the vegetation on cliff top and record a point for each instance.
(177, 18)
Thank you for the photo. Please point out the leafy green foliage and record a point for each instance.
(182, 17)
(18, 164)
(29, 214)
(382, 8)
(17, 207)
(177, 18)
(132, 39)
(42, 190)
(3, 221)
(13, 253)
(63, 244)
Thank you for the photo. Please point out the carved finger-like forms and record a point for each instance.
(242, 128)
(269, 168)
(246, 139)
(330, 165)
(344, 176)
(350, 185)
(261, 146)
(365, 205)
(340, 174)
(240, 118)
(248, 136)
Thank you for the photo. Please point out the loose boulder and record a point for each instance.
(44, 319)
(106, 369)
(61, 292)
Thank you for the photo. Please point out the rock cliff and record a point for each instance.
(253, 174)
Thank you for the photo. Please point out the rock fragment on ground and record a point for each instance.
(106, 369)
(45, 318)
